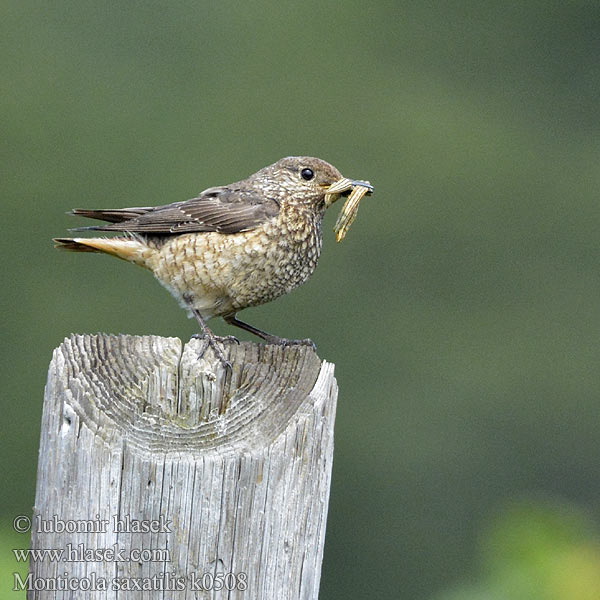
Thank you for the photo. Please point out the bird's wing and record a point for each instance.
(112, 215)
(220, 209)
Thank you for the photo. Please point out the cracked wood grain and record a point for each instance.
(146, 447)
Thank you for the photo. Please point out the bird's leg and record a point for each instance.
(270, 339)
(212, 340)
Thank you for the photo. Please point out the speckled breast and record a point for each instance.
(220, 274)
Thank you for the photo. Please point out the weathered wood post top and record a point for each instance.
(165, 475)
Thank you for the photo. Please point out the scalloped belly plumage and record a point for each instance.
(220, 274)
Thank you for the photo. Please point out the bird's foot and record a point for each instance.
(210, 340)
(279, 341)
(223, 339)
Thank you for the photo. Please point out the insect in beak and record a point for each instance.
(355, 189)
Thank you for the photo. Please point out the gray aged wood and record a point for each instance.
(220, 480)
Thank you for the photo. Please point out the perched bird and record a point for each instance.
(233, 246)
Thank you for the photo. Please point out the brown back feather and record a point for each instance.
(221, 209)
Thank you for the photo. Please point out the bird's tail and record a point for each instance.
(129, 249)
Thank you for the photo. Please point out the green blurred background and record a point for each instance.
(461, 310)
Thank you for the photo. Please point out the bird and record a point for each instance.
(231, 247)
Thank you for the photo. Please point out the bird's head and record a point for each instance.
(303, 180)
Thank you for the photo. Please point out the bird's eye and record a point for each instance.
(307, 174)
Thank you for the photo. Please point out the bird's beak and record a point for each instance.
(345, 185)
(342, 187)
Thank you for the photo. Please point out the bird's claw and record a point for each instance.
(306, 342)
(215, 342)
(219, 338)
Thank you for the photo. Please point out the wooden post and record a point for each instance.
(162, 475)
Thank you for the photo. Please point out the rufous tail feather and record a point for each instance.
(125, 248)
